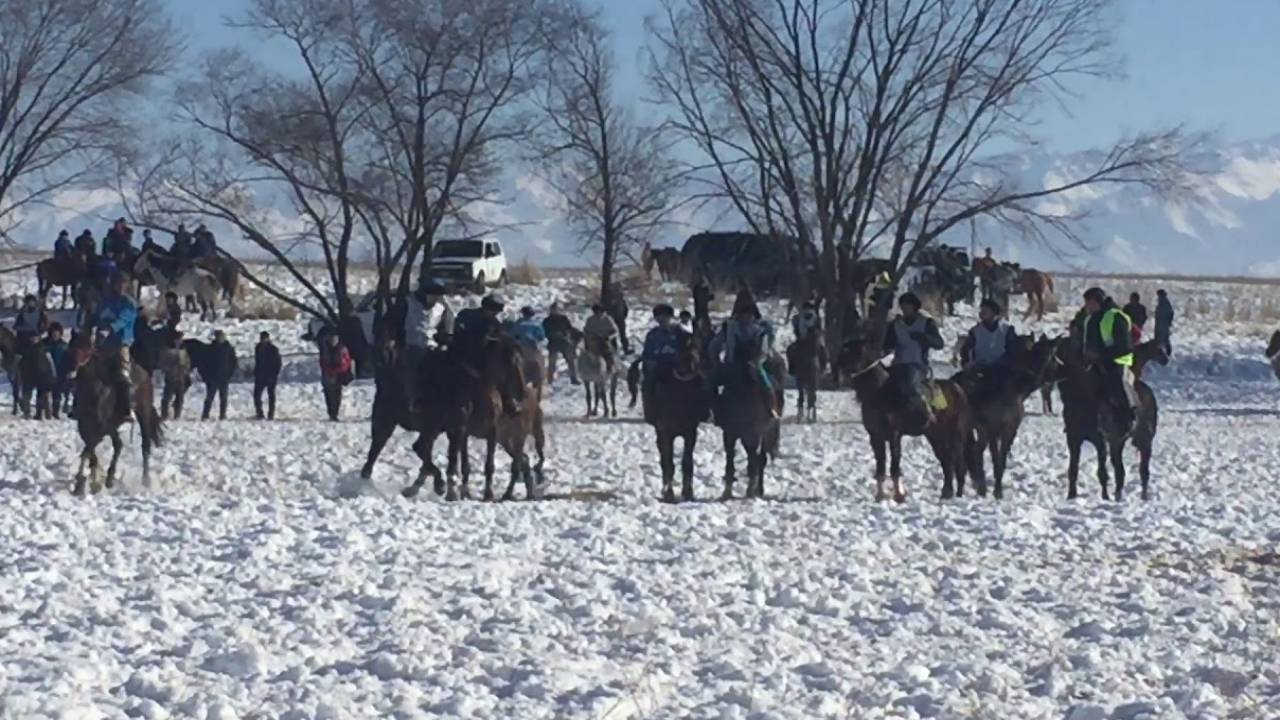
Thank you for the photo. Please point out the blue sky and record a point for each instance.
(1212, 64)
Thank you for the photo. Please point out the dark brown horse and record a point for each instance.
(997, 418)
(442, 411)
(99, 412)
(1088, 418)
(748, 414)
(677, 404)
(64, 272)
(887, 419)
(503, 369)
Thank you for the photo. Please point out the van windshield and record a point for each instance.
(459, 249)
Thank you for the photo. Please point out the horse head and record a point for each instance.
(504, 366)
(80, 351)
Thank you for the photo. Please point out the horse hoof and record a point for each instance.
(439, 487)
(487, 496)
(687, 496)
(899, 498)
(451, 496)
(410, 492)
(726, 495)
(669, 497)
(948, 495)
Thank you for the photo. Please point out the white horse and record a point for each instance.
(187, 281)
(596, 373)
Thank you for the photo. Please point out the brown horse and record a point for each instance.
(504, 366)
(996, 420)
(1088, 418)
(677, 404)
(1037, 286)
(747, 413)
(98, 412)
(887, 420)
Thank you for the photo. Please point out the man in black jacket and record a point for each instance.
(1137, 312)
(562, 341)
(266, 371)
(222, 368)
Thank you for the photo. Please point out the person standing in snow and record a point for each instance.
(56, 347)
(562, 341)
(266, 373)
(1137, 313)
(222, 366)
(1164, 321)
(335, 372)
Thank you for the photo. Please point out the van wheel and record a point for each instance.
(480, 284)
(502, 279)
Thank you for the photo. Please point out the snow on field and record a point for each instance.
(245, 585)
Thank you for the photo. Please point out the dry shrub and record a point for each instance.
(1051, 302)
(1270, 310)
(1229, 313)
(524, 273)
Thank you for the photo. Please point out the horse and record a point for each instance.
(887, 421)
(227, 272)
(10, 357)
(747, 413)
(98, 412)
(1273, 353)
(599, 374)
(676, 404)
(668, 261)
(185, 281)
(442, 410)
(1037, 285)
(503, 368)
(1146, 353)
(997, 420)
(1087, 418)
(805, 360)
(65, 272)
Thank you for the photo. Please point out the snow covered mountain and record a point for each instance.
(1232, 229)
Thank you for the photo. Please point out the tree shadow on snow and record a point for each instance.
(1226, 412)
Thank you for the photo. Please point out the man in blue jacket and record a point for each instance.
(115, 320)
(527, 329)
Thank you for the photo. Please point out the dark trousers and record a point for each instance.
(268, 386)
(210, 391)
(561, 348)
(332, 398)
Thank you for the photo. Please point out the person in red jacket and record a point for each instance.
(335, 372)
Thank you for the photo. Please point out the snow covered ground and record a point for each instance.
(247, 584)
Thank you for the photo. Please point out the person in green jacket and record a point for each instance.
(1108, 343)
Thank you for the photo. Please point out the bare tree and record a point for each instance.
(848, 122)
(69, 70)
(616, 179)
(382, 136)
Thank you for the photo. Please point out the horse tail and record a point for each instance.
(1048, 282)
(633, 381)
(42, 279)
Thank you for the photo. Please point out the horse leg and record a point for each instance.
(1117, 462)
(518, 461)
(1073, 466)
(116, 446)
(813, 399)
(666, 459)
(1144, 463)
(590, 408)
(799, 402)
(380, 432)
(689, 442)
(942, 451)
(1000, 461)
(755, 461)
(613, 397)
(209, 394)
(878, 449)
(146, 425)
(81, 475)
(179, 394)
(895, 467)
(490, 450)
(730, 447)
(1100, 448)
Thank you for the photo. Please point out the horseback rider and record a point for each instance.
(428, 320)
(118, 241)
(85, 246)
(181, 243)
(747, 326)
(1108, 343)
(527, 329)
(660, 347)
(474, 330)
(205, 245)
(601, 328)
(114, 320)
(882, 291)
(562, 340)
(62, 246)
(910, 337)
(31, 322)
(986, 353)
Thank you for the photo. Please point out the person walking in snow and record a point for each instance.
(562, 341)
(335, 372)
(1164, 321)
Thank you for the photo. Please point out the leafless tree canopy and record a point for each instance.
(382, 136)
(845, 123)
(616, 179)
(69, 72)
